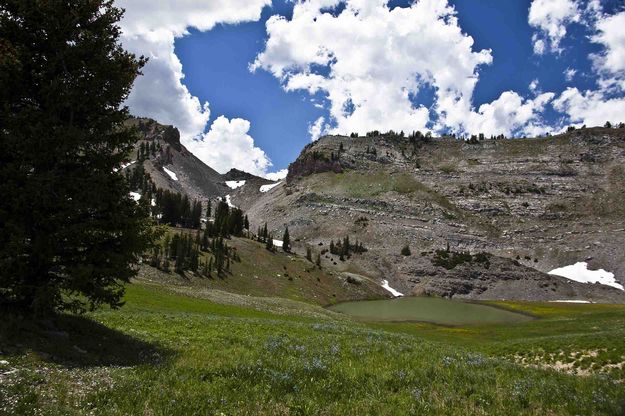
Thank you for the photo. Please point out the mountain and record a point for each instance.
(520, 207)
(174, 168)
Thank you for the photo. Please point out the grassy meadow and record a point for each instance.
(165, 353)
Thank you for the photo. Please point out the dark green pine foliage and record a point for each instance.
(228, 222)
(286, 241)
(344, 249)
(69, 232)
(176, 209)
(269, 242)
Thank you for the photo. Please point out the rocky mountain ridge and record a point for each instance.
(533, 204)
(173, 167)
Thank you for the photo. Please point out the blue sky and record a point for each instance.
(533, 67)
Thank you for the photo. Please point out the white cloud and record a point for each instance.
(534, 86)
(590, 107)
(316, 129)
(611, 63)
(510, 113)
(277, 176)
(228, 144)
(150, 29)
(569, 74)
(606, 102)
(159, 93)
(551, 18)
(374, 60)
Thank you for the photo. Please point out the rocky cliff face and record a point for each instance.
(534, 204)
(174, 168)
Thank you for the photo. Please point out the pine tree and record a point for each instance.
(60, 146)
(246, 224)
(286, 241)
(318, 262)
(269, 243)
(309, 254)
(194, 261)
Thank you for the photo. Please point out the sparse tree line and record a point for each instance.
(472, 139)
(607, 125)
(344, 249)
(265, 237)
(146, 150)
(183, 251)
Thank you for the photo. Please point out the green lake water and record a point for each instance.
(425, 309)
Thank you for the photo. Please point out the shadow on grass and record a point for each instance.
(75, 341)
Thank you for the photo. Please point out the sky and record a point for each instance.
(250, 82)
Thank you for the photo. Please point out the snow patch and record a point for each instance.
(570, 301)
(393, 292)
(579, 272)
(124, 166)
(135, 195)
(170, 173)
(267, 188)
(229, 202)
(235, 184)
(278, 243)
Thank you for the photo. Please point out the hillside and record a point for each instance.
(532, 205)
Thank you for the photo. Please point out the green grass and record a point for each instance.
(262, 273)
(168, 354)
(434, 310)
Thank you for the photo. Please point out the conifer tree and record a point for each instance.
(69, 233)
(269, 242)
(286, 241)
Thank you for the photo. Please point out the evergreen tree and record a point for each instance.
(309, 254)
(269, 242)
(286, 241)
(246, 223)
(318, 262)
(69, 233)
(405, 251)
(194, 260)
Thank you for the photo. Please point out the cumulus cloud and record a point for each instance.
(606, 102)
(550, 18)
(610, 33)
(159, 93)
(371, 61)
(277, 176)
(510, 113)
(316, 129)
(150, 30)
(590, 107)
(229, 144)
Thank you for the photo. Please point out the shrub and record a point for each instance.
(405, 251)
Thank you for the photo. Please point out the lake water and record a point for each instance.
(426, 309)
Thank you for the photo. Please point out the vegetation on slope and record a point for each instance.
(175, 355)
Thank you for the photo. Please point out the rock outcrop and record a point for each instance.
(543, 203)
